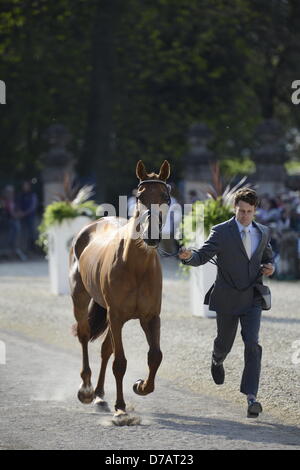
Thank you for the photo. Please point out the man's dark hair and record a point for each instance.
(247, 195)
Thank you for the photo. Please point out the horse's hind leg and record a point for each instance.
(106, 351)
(81, 301)
(152, 332)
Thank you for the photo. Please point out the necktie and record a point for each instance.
(247, 241)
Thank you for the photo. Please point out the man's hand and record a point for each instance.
(268, 269)
(184, 253)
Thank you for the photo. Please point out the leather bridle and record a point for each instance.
(161, 182)
(162, 252)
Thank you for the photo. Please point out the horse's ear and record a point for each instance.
(164, 171)
(141, 172)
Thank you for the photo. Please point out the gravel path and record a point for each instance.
(187, 411)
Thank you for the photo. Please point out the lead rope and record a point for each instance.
(165, 253)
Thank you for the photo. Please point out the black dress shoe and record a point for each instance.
(217, 372)
(254, 408)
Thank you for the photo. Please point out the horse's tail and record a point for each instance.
(97, 318)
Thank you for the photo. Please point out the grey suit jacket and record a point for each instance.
(234, 266)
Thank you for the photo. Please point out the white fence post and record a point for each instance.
(2, 92)
(2, 353)
(60, 240)
(201, 280)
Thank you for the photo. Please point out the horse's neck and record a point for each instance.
(135, 248)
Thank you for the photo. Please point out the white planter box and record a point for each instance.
(60, 240)
(201, 280)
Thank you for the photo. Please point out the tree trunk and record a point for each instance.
(98, 136)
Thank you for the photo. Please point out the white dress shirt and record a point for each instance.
(254, 234)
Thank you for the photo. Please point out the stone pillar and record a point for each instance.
(197, 173)
(58, 162)
(269, 157)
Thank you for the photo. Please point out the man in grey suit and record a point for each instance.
(243, 255)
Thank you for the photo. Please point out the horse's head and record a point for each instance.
(153, 201)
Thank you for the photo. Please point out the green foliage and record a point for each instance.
(56, 212)
(44, 56)
(231, 167)
(209, 213)
(59, 211)
(204, 215)
(187, 64)
(215, 212)
(293, 167)
(176, 62)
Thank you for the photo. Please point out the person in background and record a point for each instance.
(273, 212)
(192, 197)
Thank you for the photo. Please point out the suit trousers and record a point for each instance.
(226, 332)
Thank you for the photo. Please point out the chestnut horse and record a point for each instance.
(115, 276)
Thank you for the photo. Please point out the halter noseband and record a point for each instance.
(158, 181)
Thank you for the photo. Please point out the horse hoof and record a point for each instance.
(121, 418)
(120, 414)
(101, 404)
(137, 386)
(86, 395)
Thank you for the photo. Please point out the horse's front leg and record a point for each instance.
(119, 363)
(152, 332)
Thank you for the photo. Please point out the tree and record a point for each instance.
(181, 62)
(42, 44)
(99, 124)
(129, 78)
(273, 36)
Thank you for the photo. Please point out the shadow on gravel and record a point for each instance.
(255, 431)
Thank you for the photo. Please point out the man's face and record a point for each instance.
(244, 212)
